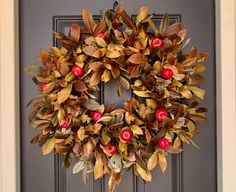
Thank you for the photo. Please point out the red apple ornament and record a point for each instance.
(65, 123)
(111, 149)
(167, 73)
(101, 35)
(161, 114)
(97, 115)
(163, 143)
(126, 135)
(42, 87)
(157, 42)
(77, 71)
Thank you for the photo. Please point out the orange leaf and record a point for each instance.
(75, 32)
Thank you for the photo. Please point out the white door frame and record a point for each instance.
(9, 95)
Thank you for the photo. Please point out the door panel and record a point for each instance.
(192, 171)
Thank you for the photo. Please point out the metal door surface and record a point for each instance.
(192, 171)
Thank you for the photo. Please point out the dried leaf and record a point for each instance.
(95, 79)
(89, 50)
(197, 91)
(98, 169)
(143, 13)
(136, 130)
(75, 32)
(142, 93)
(106, 75)
(64, 94)
(164, 23)
(124, 82)
(33, 69)
(145, 174)
(152, 161)
(88, 20)
(91, 104)
(185, 92)
(80, 86)
(137, 58)
(100, 27)
(49, 146)
(162, 162)
(79, 167)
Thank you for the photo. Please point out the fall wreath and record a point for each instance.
(137, 54)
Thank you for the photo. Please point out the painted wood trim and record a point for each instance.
(226, 84)
(9, 111)
(9, 97)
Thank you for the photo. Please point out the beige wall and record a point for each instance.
(9, 95)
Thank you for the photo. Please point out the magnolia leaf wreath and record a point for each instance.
(136, 54)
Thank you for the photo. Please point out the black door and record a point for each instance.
(192, 171)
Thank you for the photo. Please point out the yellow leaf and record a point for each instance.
(64, 93)
(101, 42)
(145, 174)
(162, 162)
(177, 143)
(152, 161)
(106, 76)
(151, 103)
(49, 146)
(143, 13)
(142, 93)
(98, 169)
(136, 130)
(197, 91)
(185, 92)
(81, 133)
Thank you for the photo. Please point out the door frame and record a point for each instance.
(9, 91)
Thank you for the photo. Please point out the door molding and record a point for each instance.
(9, 95)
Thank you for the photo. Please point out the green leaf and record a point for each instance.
(33, 70)
(64, 94)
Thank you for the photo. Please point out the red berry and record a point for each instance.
(97, 115)
(101, 35)
(42, 87)
(163, 143)
(156, 42)
(111, 149)
(77, 71)
(161, 114)
(126, 135)
(65, 123)
(167, 73)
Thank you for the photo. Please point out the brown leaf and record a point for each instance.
(89, 50)
(88, 20)
(96, 66)
(100, 27)
(164, 23)
(48, 146)
(80, 86)
(148, 135)
(174, 29)
(49, 87)
(33, 69)
(75, 32)
(64, 94)
(115, 71)
(137, 58)
(142, 93)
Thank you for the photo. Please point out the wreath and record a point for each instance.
(137, 55)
